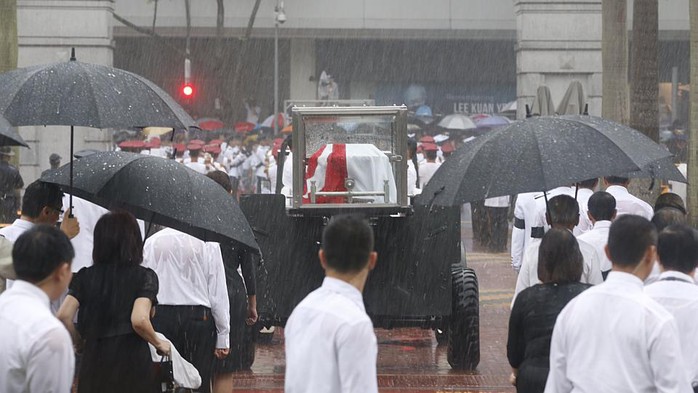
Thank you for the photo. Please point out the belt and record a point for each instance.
(197, 311)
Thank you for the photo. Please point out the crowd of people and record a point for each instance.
(607, 305)
(107, 306)
(604, 299)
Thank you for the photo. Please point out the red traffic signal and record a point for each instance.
(188, 90)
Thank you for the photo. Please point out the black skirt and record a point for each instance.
(117, 364)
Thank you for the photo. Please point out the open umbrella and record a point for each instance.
(492, 121)
(457, 121)
(663, 169)
(9, 136)
(210, 124)
(81, 94)
(539, 154)
(158, 190)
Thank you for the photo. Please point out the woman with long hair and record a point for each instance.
(536, 308)
(115, 297)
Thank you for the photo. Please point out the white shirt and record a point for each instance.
(191, 273)
(528, 275)
(87, 214)
(680, 298)
(197, 166)
(627, 203)
(411, 178)
(613, 338)
(598, 238)
(583, 195)
(426, 171)
(36, 349)
(330, 342)
(14, 231)
(524, 209)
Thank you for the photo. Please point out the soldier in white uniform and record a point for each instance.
(524, 217)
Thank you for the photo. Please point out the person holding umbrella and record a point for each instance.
(11, 183)
(626, 203)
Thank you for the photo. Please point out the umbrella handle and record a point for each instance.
(72, 143)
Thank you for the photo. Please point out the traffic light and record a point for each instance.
(188, 90)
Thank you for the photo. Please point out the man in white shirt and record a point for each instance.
(194, 309)
(584, 190)
(36, 349)
(663, 218)
(626, 203)
(563, 213)
(195, 162)
(602, 210)
(676, 290)
(41, 204)
(613, 337)
(330, 342)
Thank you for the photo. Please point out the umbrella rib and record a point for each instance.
(89, 83)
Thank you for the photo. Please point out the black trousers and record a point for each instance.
(193, 332)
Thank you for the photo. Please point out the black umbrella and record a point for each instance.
(662, 169)
(9, 136)
(539, 154)
(158, 190)
(81, 94)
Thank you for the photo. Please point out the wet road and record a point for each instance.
(410, 359)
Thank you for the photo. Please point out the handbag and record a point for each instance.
(166, 375)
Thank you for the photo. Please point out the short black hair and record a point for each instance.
(628, 239)
(39, 251)
(669, 199)
(666, 216)
(117, 240)
(430, 154)
(563, 210)
(616, 179)
(347, 242)
(589, 183)
(39, 195)
(559, 258)
(678, 248)
(222, 179)
(602, 206)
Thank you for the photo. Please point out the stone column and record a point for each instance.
(558, 42)
(47, 30)
(303, 69)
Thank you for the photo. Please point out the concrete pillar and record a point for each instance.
(303, 76)
(47, 29)
(558, 42)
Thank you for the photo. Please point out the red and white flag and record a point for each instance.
(332, 164)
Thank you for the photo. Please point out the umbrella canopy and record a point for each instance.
(81, 94)
(539, 154)
(156, 131)
(244, 126)
(574, 100)
(492, 121)
(158, 190)
(210, 124)
(662, 169)
(543, 103)
(9, 136)
(457, 121)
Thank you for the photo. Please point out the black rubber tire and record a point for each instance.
(441, 336)
(464, 329)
